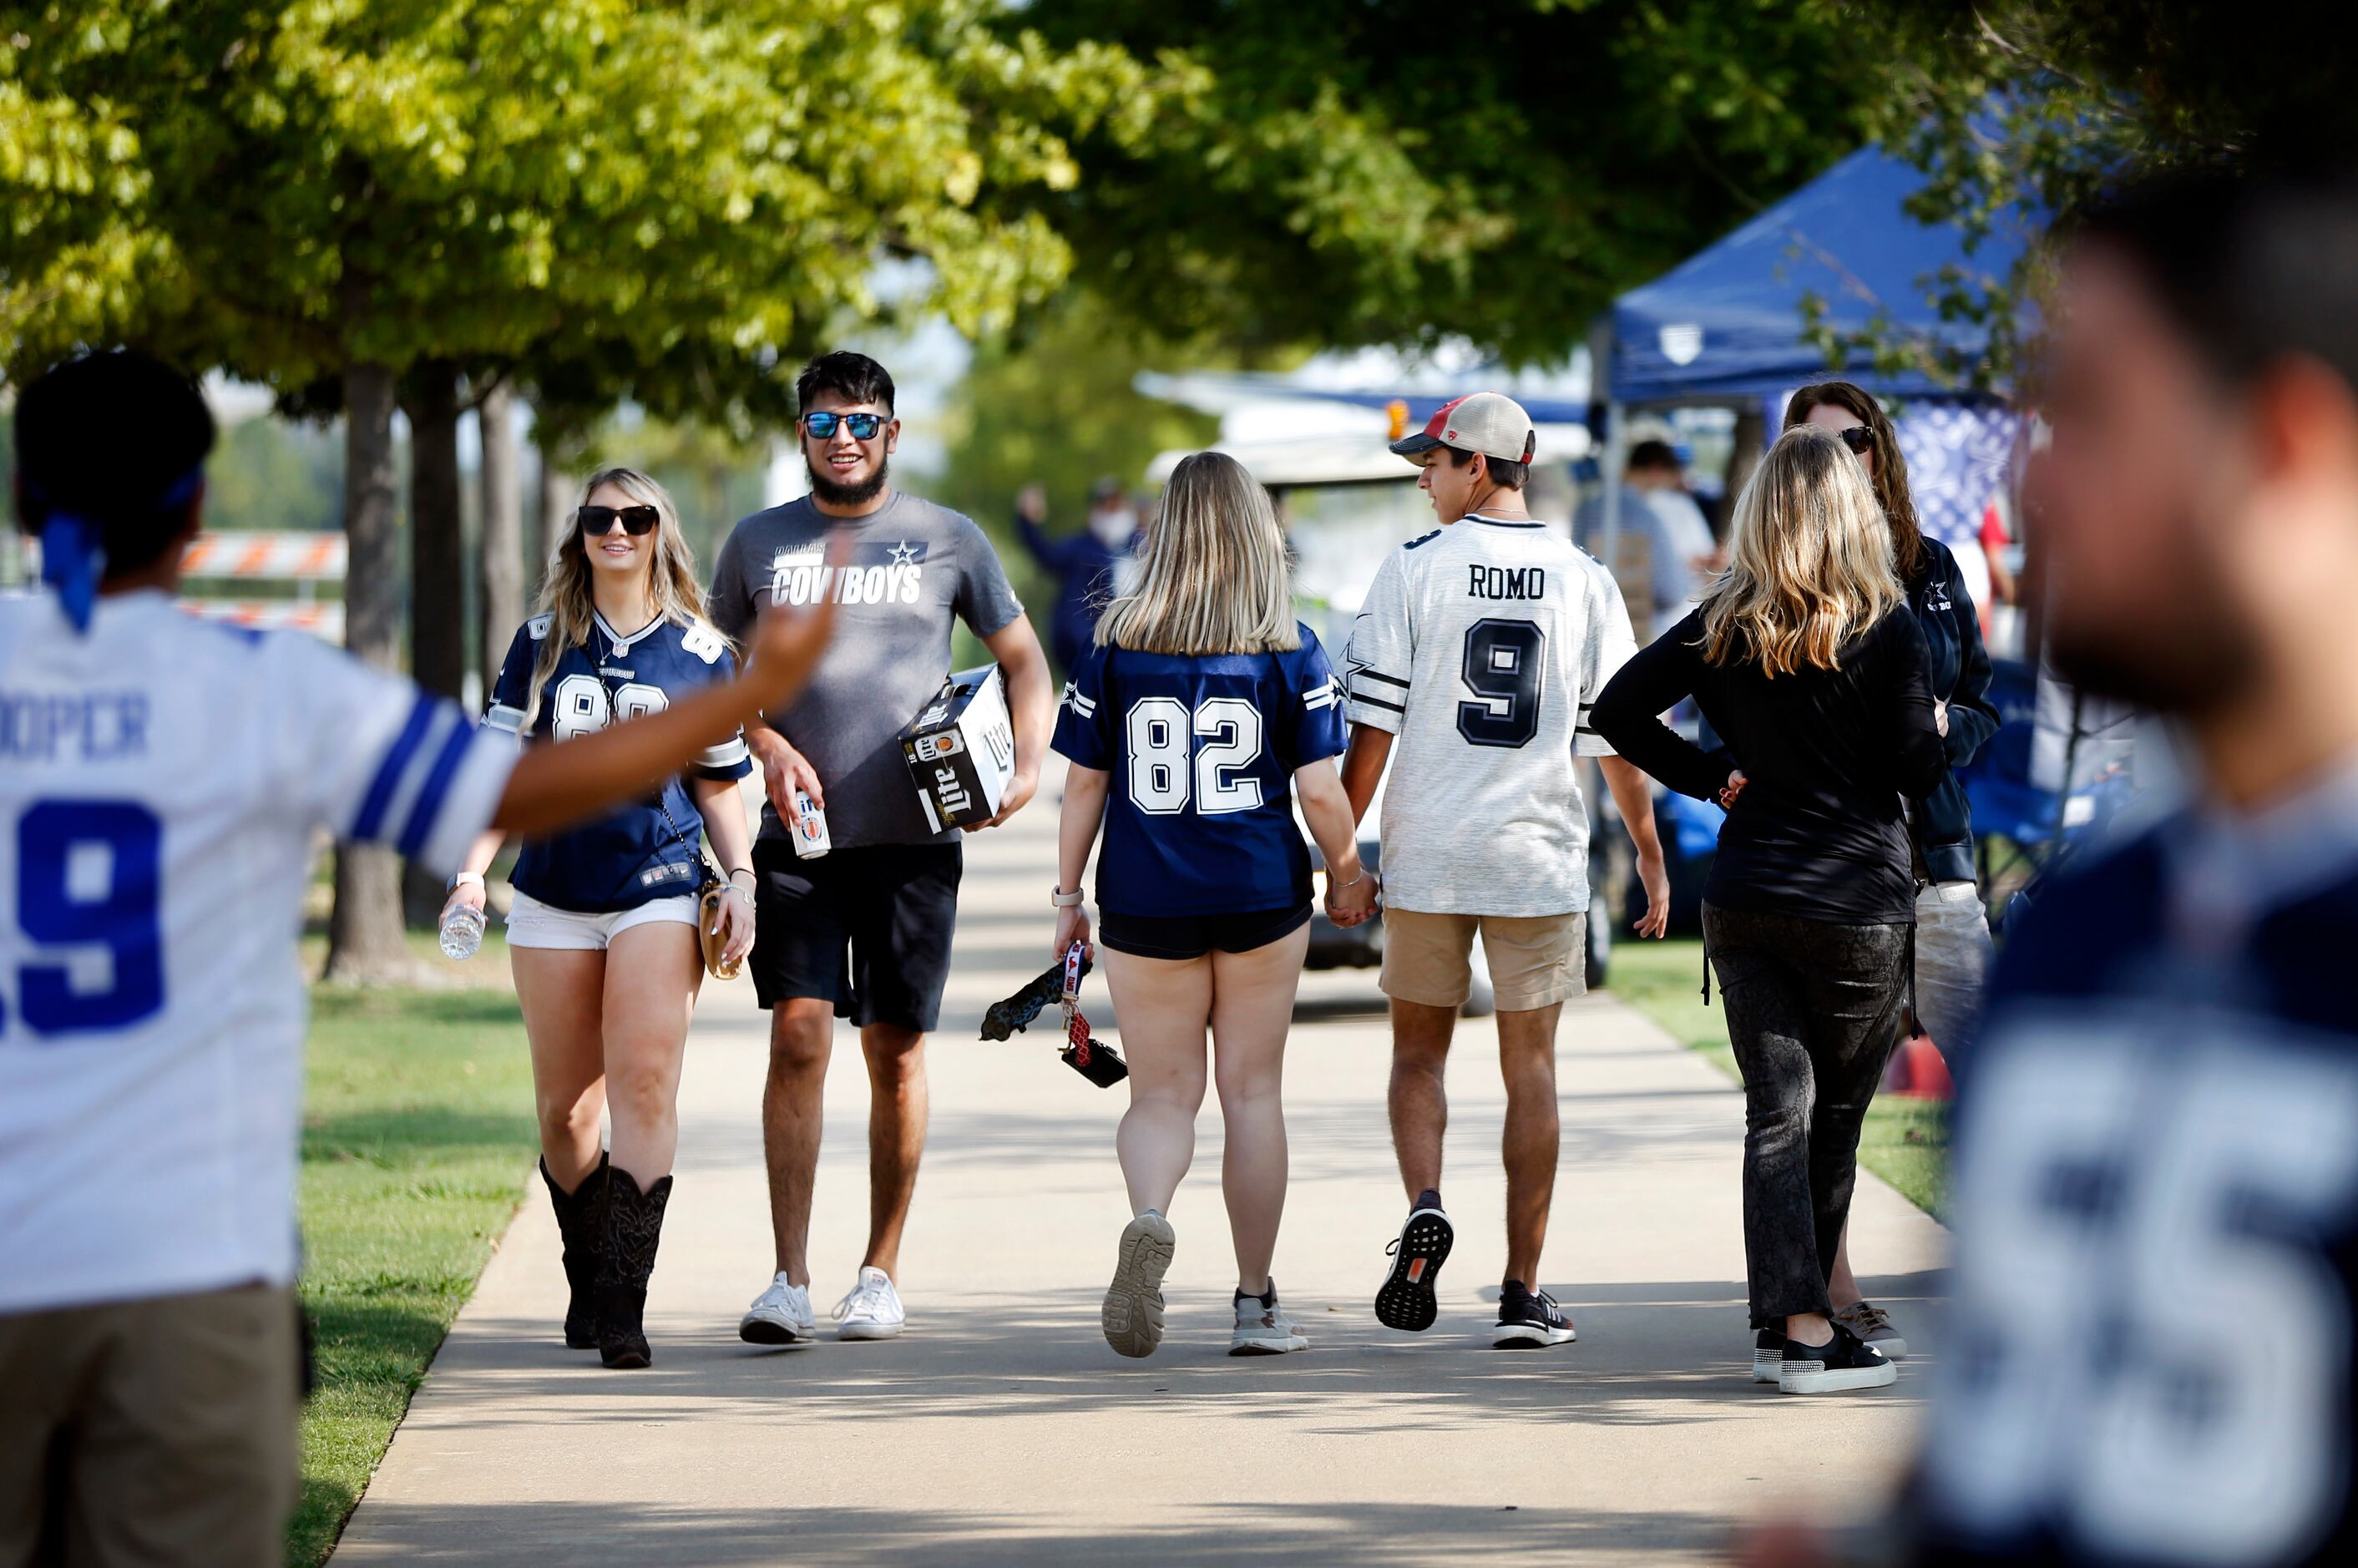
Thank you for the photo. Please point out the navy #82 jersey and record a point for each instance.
(1202, 749)
(1480, 648)
(645, 849)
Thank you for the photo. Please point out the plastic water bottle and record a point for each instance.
(462, 931)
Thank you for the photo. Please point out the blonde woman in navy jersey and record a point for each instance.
(602, 933)
(1202, 707)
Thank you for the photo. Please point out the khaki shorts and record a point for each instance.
(157, 1431)
(1535, 960)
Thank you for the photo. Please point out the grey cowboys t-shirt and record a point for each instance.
(913, 566)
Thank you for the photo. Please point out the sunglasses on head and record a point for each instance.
(599, 521)
(863, 426)
(1859, 438)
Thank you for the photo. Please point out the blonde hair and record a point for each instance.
(564, 596)
(1215, 578)
(1812, 562)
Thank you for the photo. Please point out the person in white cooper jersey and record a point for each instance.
(1475, 658)
(161, 781)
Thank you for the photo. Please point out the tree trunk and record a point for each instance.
(552, 509)
(503, 537)
(437, 568)
(364, 937)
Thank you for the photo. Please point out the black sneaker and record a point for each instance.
(1843, 1362)
(1527, 1321)
(1767, 1356)
(1406, 1301)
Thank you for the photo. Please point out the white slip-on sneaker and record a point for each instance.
(779, 1315)
(1262, 1327)
(1133, 1315)
(870, 1309)
(1767, 1356)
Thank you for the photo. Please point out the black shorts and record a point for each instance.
(868, 929)
(1182, 937)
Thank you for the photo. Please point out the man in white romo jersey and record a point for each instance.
(161, 780)
(1475, 657)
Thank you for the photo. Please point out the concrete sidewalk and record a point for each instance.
(1001, 1429)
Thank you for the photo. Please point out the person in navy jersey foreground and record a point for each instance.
(2157, 1188)
(1202, 707)
(602, 932)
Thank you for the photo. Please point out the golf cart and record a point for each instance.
(1347, 502)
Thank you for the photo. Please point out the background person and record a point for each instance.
(2159, 1126)
(1203, 704)
(1085, 565)
(1951, 952)
(1682, 552)
(862, 932)
(148, 1124)
(1479, 647)
(1805, 658)
(601, 936)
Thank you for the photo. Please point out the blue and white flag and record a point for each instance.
(1957, 457)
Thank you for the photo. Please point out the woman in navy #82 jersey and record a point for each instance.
(1200, 712)
(602, 932)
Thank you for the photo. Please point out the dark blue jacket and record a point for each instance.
(1959, 675)
(1084, 569)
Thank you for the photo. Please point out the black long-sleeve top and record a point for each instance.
(1827, 754)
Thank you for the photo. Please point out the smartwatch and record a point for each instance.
(1059, 899)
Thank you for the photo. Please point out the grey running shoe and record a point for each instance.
(1873, 1326)
(1263, 1329)
(1132, 1315)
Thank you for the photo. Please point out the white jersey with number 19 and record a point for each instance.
(1480, 647)
(162, 783)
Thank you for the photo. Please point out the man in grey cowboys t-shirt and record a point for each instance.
(864, 932)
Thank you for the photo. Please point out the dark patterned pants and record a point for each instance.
(1812, 1011)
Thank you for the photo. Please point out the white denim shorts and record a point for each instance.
(532, 924)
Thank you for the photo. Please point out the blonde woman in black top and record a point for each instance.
(1805, 657)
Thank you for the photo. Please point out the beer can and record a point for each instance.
(809, 827)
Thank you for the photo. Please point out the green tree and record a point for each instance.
(348, 192)
(1347, 171)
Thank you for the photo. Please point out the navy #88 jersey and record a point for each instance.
(632, 855)
(1203, 750)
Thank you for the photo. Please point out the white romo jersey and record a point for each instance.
(1481, 647)
(162, 783)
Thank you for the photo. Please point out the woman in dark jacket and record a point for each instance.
(1952, 938)
(1804, 659)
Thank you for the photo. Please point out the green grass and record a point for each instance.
(1906, 1141)
(417, 1140)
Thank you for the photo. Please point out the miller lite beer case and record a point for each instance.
(961, 749)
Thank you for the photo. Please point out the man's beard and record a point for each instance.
(824, 486)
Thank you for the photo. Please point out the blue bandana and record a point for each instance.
(74, 549)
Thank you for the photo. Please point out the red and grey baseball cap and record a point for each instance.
(1489, 422)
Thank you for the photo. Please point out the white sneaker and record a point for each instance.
(779, 1315)
(1263, 1329)
(870, 1309)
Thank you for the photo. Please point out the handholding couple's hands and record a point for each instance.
(1355, 904)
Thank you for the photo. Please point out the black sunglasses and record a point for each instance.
(863, 426)
(1859, 438)
(597, 522)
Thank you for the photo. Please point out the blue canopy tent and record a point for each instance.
(1725, 326)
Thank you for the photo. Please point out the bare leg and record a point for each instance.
(1527, 1061)
(801, 1035)
(561, 991)
(1163, 1007)
(1420, 1104)
(651, 975)
(897, 1109)
(1253, 1007)
(1842, 1289)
